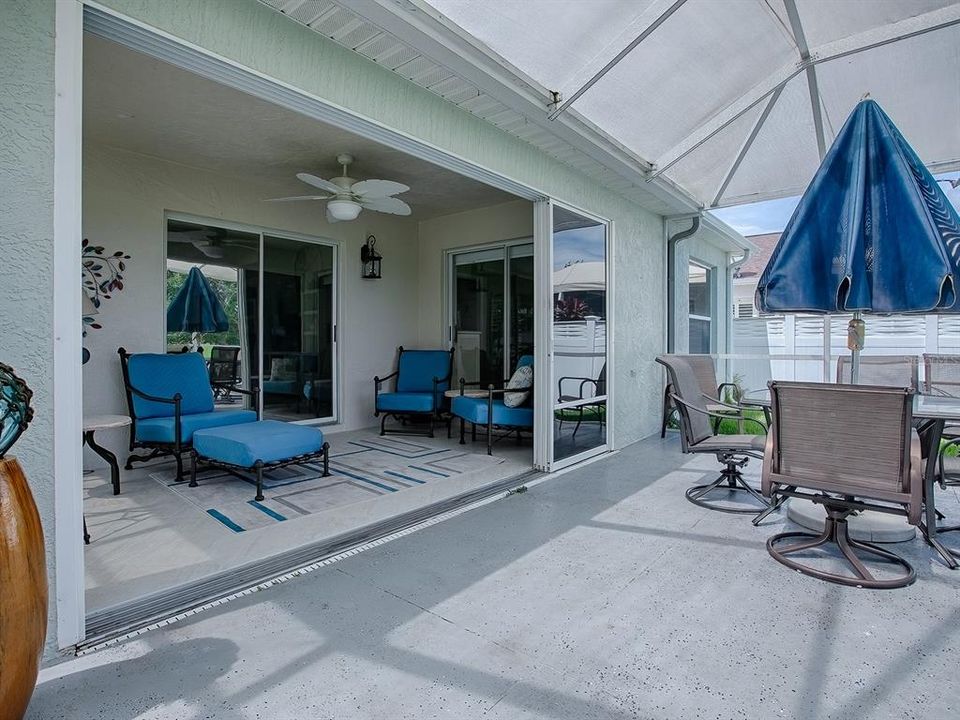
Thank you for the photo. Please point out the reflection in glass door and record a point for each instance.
(298, 319)
(579, 280)
(492, 311)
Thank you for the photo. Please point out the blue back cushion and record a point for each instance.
(418, 368)
(524, 360)
(166, 375)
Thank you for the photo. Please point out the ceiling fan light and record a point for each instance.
(344, 210)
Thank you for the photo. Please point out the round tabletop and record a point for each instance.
(466, 393)
(104, 422)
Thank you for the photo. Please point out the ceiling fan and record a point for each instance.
(347, 197)
(205, 241)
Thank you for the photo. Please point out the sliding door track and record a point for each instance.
(111, 623)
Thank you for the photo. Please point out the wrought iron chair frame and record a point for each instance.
(163, 449)
(432, 415)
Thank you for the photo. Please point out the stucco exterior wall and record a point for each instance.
(26, 236)
(125, 198)
(699, 249)
(260, 38)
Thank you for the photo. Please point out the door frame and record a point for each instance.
(545, 382)
(263, 232)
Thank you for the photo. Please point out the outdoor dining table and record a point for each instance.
(930, 413)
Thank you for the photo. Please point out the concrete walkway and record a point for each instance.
(602, 593)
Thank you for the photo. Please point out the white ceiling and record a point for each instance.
(143, 105)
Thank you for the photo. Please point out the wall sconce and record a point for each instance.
(370, 260)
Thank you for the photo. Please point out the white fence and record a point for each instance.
(579, 350)
(791, 347)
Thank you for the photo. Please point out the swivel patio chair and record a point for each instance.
(420, 381)
(224, 366)
(598, 387)
(886, 370)
(698, 436)
(848, 448)
(169, 397)
(706, 374)
(941, 378)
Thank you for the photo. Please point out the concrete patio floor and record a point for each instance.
(601, 593)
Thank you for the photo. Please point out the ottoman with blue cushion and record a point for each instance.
(258, 445)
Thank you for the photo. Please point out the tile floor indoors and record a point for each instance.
(600, 593)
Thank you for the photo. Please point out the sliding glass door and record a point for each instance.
(578, 335)
(491, 311)
(279, 293)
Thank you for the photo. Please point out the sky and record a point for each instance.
(773, 215)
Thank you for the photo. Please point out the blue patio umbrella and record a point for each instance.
(196, 307)
(873, 232)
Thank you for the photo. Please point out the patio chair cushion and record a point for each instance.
(161, 429)
(418, 368)
(265, 441)
(164, 376)
(280, 387)
(475, 410)
(413, 402)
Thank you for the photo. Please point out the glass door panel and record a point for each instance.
(579, 334)
(478, 313)
(298, 329)
(521, 301)
(226, 259)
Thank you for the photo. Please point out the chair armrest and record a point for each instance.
(736, 390)
(175, 400)
(254, 393)
(583, 381)
(377, 380)
(715, 401)
(722, 416)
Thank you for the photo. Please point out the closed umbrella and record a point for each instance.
(196, 307)
(873, 233)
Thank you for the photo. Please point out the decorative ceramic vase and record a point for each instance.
(23, 568)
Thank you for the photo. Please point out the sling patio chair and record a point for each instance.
(706, 374)
(698, 435)
(887, 370)
(847, 448)
(596, 387)
(941, 378)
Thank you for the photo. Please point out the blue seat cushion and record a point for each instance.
(475, 410)
(406, 402)
(418, 368)
(266, 441)
(161, 429)
(280, 387)
(165, 376)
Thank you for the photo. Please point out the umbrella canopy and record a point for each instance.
(873, 232)
(581, 276)
(196, 307)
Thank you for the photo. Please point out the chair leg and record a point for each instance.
(773, 507)
(473, 432)
(259, 495)
(383, 425)
(193, 468)
(463, 427)
(579, 420)
(836, 533)
(730, 481)
(326, 459)
(179, 457)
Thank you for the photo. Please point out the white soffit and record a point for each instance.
(409, 39)
(732, 100)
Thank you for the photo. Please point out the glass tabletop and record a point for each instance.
(930, 407)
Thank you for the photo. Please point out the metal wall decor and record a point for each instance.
(102, 275)
(370, 260)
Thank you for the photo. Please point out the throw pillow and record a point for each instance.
(283, 368)
(522, 380)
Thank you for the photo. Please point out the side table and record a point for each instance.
(105, 422)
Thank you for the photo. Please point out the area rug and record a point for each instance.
(360, 469)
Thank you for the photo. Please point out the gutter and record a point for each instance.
(672, 242)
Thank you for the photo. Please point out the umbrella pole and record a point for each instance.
(856, 334)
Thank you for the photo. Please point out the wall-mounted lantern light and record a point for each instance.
(370, 260)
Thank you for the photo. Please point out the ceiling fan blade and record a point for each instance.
(391, 205)
(378, 188)
(293, 198)
(319, 182)
(330, 217)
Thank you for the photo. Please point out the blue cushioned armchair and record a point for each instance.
(169, 397)
(420, 381)
(490, 411)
